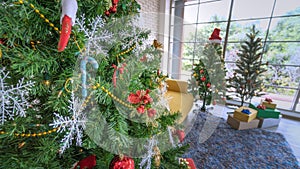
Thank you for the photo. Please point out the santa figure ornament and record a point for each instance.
(215, 36)
(67, 19)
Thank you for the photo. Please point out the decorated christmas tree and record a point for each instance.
(209, 73)
(88, 94)
(246, 82)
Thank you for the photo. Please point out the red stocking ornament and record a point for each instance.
(121, 163)
(69, 9)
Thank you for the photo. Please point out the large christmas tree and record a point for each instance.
(246, 82)
(88, 94)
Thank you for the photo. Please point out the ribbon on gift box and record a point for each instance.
(246, 111)
(263, 107)
(268, 100)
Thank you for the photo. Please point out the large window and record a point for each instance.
(278, 22)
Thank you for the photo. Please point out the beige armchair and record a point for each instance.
(178, 97)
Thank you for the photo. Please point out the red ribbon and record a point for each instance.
(263, 107)
(120, 69)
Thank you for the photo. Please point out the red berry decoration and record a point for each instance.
(151, 112)
(121, 163)
(113, 9)
(107, 13)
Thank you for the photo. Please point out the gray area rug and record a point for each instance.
(230, 148)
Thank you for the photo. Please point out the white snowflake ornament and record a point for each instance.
(73, 126)
(13, 98)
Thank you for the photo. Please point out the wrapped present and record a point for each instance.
(268, 102)
(240, 125)
(265, 113)
(269, 122)
(245, 114)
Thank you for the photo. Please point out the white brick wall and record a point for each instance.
(157, 20)
(151, 9)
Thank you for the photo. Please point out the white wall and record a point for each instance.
(157, 20)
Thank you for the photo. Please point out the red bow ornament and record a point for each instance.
(268, 100)
(263, 107)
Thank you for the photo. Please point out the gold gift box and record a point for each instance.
(239, 115)
(269, 105)
(240, 125)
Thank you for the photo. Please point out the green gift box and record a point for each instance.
(267, 113)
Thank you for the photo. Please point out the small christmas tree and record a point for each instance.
(209, 73)
(245, 81)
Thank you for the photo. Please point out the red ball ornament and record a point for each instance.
(3, 41)
(121, 163)
(115, 2)
(201, 71)
(113, 9)
(107, 13)
(208, 85)
(203, 78)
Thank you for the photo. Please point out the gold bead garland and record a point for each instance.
(41, 16)
(32, 134)
(95, 87)
(125, 52)
(112, 95)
